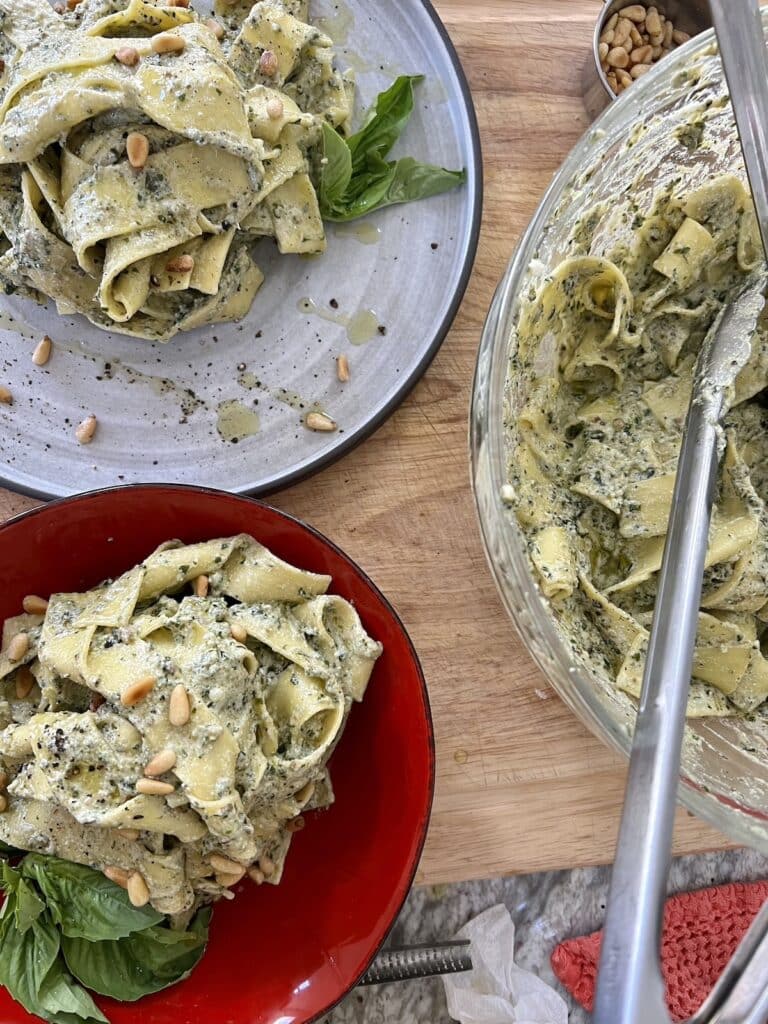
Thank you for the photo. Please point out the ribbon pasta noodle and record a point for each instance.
(607, 349)
(159, 242)
(269, 664)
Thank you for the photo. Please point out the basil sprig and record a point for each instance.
(64, 926)
(355, 176)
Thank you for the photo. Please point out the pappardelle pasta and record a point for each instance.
(608, 346)
(144, 148)
(174, 723)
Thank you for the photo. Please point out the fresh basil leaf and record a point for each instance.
(385, 122)
(26, 958)
(355, 177)
(9, 877)
(28, 906)
(336, 171)
(400, 182)
(63, 1001)
(84, 903)
(34, 974)
(140, 963)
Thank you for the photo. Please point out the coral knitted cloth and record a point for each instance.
(701, 931)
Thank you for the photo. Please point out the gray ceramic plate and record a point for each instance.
(384, 295)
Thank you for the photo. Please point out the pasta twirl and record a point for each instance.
(153, 245)
(269, 665)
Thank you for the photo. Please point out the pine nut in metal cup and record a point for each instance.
(673, 22)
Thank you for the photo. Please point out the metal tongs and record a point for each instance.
(630, 986)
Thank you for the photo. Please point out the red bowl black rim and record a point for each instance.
(300, 524)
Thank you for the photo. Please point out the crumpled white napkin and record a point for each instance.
(497, 991)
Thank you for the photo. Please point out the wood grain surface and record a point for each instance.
(521, 785)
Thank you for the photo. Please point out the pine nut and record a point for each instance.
(42, 352)
(296, 824)
(635, 12)
(127, 55)
(634, 35)
(3, 803)
(667, 41)
(608, 37)
(131, 834)
(34, 605)
(96, 701)
(201, 586)
(161, 763)
(641, 55)
(180, 264)
(137, 150)
(137, 691)
(85, 430)
(118, 875)
(656, 52)
(5, 396)
(239, 632)
(621, 32)
(656, 38)
(618, 57)
(4, 780)
(679, 37)
(216, 27)
(256, 875)
(153, 787)
(653, 22)
(639, 69)
(624, 79)
(612, 22)
(342, 363)
(268, 64)
(320, 422)
(224, 865)
(266, 866)
(138, 892)
(178, 707)
(18, 646)
(275, 109)
(305, 793)
(166, 43)
(24, 682)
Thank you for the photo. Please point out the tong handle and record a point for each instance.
(630, 987)
(418, 962)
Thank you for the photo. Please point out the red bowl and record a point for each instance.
(277, 954)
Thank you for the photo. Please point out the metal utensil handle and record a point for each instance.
(418, 962)
(630, 988)
(740, 36)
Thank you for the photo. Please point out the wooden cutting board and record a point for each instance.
(521, 785)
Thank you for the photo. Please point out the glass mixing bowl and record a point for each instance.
(628, 153)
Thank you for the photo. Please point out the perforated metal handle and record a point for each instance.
(418, 962)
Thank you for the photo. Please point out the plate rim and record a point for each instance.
(295, 521)
(475, 186)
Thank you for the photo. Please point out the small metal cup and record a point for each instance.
(691, 16)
